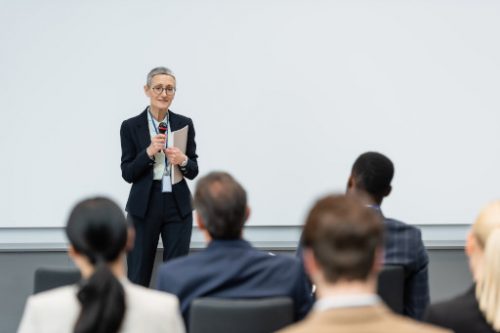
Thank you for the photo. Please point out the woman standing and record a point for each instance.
(156, 204)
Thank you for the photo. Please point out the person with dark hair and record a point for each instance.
(477, 310)
(343, 253)
(159, 202)
(104, 301)
(230, 267)
(370, 181)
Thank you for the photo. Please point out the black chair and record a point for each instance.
(49, 278)
(390, 287)
(216, 315)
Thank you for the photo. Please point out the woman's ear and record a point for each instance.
(470, 244)
(72, 252)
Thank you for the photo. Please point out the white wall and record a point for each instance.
(284, 94)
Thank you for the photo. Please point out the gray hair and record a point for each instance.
(158, 71)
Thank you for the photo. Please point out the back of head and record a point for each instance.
(97, 229)
(373, 173)
(486, 230)
(222, 204)
(344, 236)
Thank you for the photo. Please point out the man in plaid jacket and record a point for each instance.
(370, 181)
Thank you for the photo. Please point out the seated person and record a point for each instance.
(370, 182)
(104, 301)
(478, 309)
(230, 267)
(343, 246)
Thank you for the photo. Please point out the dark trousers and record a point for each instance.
(162, 218)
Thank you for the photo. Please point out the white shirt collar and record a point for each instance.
(346, 301)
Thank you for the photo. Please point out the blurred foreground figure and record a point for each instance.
(104, 301)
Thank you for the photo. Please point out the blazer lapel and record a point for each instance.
(175, 124)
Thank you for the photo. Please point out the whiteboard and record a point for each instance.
(284, 95)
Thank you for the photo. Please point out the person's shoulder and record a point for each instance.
(398, 224)
(445, 313)
(135, 119)
(182, 261)
(271, 257)
(456, 303)
(404, 324)
(149, 297)
(280, 264)
(158, 311)
(397, 228)
(58, 298)
(176, 270)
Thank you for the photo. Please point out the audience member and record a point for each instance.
(343, 246)
(105, 301)
(478, 309)
(370, 182)
(230, 267)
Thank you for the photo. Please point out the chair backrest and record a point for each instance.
(390, 287)
(49, 278)
(216, 315)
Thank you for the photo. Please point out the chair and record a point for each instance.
(390, 287)
(49, 278)
(216, 315)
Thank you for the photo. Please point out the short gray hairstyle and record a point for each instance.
(158, 71)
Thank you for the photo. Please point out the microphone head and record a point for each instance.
(162, 127)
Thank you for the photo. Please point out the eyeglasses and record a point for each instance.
(159, 90)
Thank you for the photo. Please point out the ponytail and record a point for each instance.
(488, 287)
(97, 229)
(102, 298)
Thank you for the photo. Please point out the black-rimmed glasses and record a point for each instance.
(159, 90)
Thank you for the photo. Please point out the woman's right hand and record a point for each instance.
(157, 144)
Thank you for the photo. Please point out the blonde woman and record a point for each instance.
(477, 310)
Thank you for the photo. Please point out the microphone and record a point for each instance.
(162, 127)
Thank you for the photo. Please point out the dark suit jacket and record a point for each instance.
(137, 167)
(461, 314)
(234, 269)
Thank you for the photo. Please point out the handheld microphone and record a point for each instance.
(162, 128)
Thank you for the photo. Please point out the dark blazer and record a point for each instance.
(234, 269)
(404, 246)
(137, 167)
(461, 314)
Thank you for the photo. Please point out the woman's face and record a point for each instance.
(161, 99)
